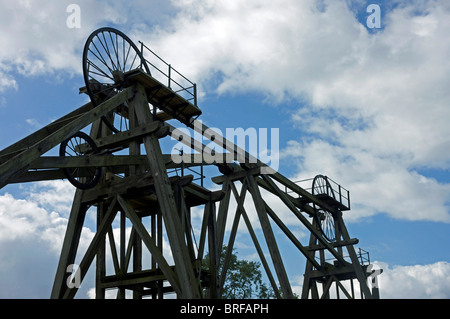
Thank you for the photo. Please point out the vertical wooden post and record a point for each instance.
(95, 244)
(308, 284)
(189, 285)
(222, 214)
(256, 243)
(101, 257)
(270, 238)
(214, 254)
(362, 278)
(70, 245)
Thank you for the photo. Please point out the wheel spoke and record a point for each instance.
(80, 144)
(102, 73)
(107, 51)
(107, 55)
(100, 57)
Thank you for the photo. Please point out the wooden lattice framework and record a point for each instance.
(138, 189)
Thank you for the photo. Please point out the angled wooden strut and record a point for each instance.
(151, 184)
(188, 282)
(118, 203)
(151, 204)
(16, 159)
(137, 186)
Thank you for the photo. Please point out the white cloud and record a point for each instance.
(258, 45)
(6, 81)
(54, 195)
(430, 281)
(31, 239)
(373, 105)
(35, 38)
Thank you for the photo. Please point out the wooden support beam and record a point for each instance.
(338, 284)
(222, 214)
(163, 97)
(315, 247)
(18, 164)
(188, 282)
(256, 242)
(40, 134)
(52, 162)
(232, 237)
(326, 288)
(37, 176)
(203, 231)
(214, 254)
(124, 138)
(291, 236)
(360, 274)
(70, 245)
(113, 249)
(132, 280)
(150, 244)
(282, 195)
(270, 238)
(94, 246)
(100, 260)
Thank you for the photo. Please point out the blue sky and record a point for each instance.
(369, 108)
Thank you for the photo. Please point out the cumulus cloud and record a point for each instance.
(429, 281)
(375, 123)
(36, 39)
(33, 226)
(372, 106)
(31, 239)
(415, 282)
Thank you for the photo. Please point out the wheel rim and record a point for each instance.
(321, 186)
(326, 224)
(108, 54)
(324, 218)
(80, 144)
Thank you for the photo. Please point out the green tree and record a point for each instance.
(243, 279)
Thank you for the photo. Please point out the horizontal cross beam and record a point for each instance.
(20, 162)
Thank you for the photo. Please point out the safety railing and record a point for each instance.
(340, 194)
(196, 171)
(165, 73)
(363, 257)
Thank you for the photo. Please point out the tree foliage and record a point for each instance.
(243, 279)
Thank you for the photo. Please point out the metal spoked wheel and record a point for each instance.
(108, 54)
(325, 219)
(80, 144)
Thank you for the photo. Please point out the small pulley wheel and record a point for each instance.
(80, 144)
(324, 218)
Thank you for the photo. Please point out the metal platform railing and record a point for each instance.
(176, 81)
(339, 193)
(362, 255)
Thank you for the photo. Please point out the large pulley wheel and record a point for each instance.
(324, 219)
(108, 54)
(80, 144)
